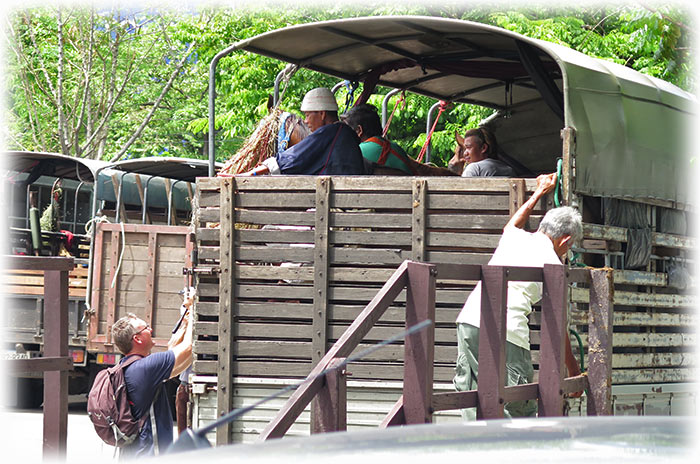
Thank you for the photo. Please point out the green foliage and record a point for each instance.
(148, 44)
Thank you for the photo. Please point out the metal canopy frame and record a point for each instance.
(629, 127)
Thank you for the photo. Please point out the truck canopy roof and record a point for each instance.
(631, 129)
(37, 164)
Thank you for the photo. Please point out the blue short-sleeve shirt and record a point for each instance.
(143, 379)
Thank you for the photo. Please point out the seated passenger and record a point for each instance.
(331, 149)
(377, 150)
(478, 149)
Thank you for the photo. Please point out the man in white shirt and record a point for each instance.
(559, 229)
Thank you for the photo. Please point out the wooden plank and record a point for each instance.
(273, 236)
(113, 283)
(651, 300)
(419, 354)
(273, 200)
(619, 234)
(641, 319)
(32, 290)
(345, 183)
(303, 332)
(226, 327)
(655, 279)
(272, 254)
(329, 407)
(653, 360)
(449, 239)
(649, 340)
(207, 215)
(150, 291)
(418, 219)
(600, 337)
(496, 202)
(492, 343)
(516, 196)
(356, 371)
(55, 346)
(263, 350)
(337, 219)
(554, 336)
(320, 275)
(97, 270)
(624, 376)
(39, 263)
(568, 135)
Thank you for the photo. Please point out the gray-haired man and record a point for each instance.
(558, 230)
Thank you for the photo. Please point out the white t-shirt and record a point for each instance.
(517, 247)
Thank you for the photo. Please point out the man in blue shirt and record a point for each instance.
(145, 378)
(333, 148)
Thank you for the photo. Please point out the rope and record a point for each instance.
(557, 188)
(351, 87)
(121, 255)
(580, 350)
(88, 225)
(402, 99)
(289, 71)
(443, 107)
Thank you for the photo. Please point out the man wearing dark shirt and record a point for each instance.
(145, 378)
(333, 148)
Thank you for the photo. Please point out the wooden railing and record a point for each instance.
(56, 363)
(418, 402)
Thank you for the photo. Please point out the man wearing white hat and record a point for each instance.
(333, 148)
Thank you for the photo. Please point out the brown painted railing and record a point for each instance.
(56, 363)
(418, 402)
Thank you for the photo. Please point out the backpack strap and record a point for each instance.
(330, 150)
(387, 150)
(154, 428)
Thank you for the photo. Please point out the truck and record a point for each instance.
(125, 224)
(284, 264)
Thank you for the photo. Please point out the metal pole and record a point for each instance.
(337, 87)
(212, 100)
(75, 207)
(429, 126)
(119, 197)
(276, 93)
(144, 207)
(170, 200)
(385, 102)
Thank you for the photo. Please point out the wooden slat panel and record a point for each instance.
(453, 240)
(623, 376)
(653, 300)
(449, 184)
(642, 319)
(619, 234)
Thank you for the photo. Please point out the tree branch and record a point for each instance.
(157, 103)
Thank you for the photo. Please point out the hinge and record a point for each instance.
(201, 270)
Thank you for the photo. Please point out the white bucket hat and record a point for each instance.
(319, 99)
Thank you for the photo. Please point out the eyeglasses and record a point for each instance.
(148, 327)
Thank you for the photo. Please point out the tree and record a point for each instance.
(90, 80)
(112, 84)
